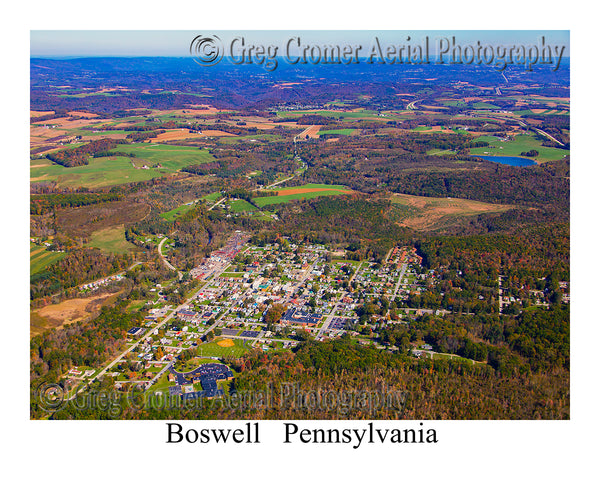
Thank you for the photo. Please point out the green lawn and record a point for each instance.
(514, 147)
(40, 258)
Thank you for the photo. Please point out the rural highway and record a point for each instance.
(541, 132)
(218, 203)
(412, 106)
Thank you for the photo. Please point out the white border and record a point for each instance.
(491, 449)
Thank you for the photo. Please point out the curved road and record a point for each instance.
(164, 259)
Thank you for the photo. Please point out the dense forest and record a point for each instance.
(290, 381)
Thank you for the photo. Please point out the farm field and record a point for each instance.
(239, 205)
(369, 114)
(40, 258)
(111, 240)
(170, 157)
(310, 190)
(430, 213)
(106, 171)
(518, 144)
(340, 131)
(100, 172)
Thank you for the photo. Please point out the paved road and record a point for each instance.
(412, 106)
(541, 132)
(164, 259)
(335, 307)
(218, 203)
(402, 272)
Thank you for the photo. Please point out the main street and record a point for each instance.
(208, 283)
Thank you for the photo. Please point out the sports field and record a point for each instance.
(310, 190)
(214, 349)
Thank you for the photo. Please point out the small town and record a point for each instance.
(269, 298)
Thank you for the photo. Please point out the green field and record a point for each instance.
(331, 113)
(212, 197)
(105, 171)
(100, 172)
(171, 215)
(40, 258)
(484, 106)
(283, 197)
(341, 131)
(213, 350)
(111, 240)
(239, 205)
(454, 103)
(437, 151)
(170, 157)
(232, 274)
(514, 147)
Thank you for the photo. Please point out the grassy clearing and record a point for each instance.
(518, 144)
(40, 258)
(111, 240)
(171, 215)
(212, 197)
(437, 151)
(239, 205)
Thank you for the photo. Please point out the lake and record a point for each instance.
(514, 161)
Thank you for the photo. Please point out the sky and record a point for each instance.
(84, 43)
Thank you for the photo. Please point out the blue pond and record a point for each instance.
(514, 161)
